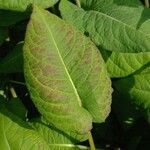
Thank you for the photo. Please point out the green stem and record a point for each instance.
(17, 82)
(147, 3)
(78, 3)
(13, 92)
(91, 141)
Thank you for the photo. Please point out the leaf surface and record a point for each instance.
(123, 64)
(109, 31)
(67, 79)
(21, 5)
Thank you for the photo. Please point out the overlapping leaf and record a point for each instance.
(65, 74)
(107, 31)
(118, 64)
(17, 134)
(8, 18)
(124, 64)
(137, 88)
(21, 5)
(13, 62)
(125, 109)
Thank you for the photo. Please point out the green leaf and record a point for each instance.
(124, 64)
(17, 134)
(137, 88)
(65, 74)
(13, 62)
(3, 35)
(21, 5)
(16, 107)
(11, 17)
(55, 136)
(108, 31)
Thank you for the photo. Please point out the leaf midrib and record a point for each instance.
(51, 35)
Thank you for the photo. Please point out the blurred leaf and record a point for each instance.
(8, 18)
(125, 110)
(137, 88)
(21, 5)
(13, 62)
(17, 108)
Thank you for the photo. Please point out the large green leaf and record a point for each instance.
(108, 31)
(17, 134)
(137, 88)
(21, 5)
(65, 74)
(8, 18)
(13, 62)
(124, 64)
(3, 34)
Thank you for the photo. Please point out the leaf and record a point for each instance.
(108, 31)
(17, 134)
(124, 64)
(67, 79)
(13, 62)
(54, 136)
(137, 88)
(11, 17)
(21, 5)
(17, 108)
(3, 34)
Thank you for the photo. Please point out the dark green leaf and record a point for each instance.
(8, 18)
(3, 35)
(137, 88)
(16, 107)
(13, 62)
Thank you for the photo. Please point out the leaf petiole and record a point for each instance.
(13, 92)
(78, 3)
(147, 3)
(91, 141)
(17, 82)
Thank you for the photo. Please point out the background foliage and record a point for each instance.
(57, 70)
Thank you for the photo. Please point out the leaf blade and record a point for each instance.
(105, 30)
(77, 54)
(22, 5)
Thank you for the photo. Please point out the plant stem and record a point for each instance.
(13, 92)
(78, 3)
(91, 141)
(17, 82)
(147, 3)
